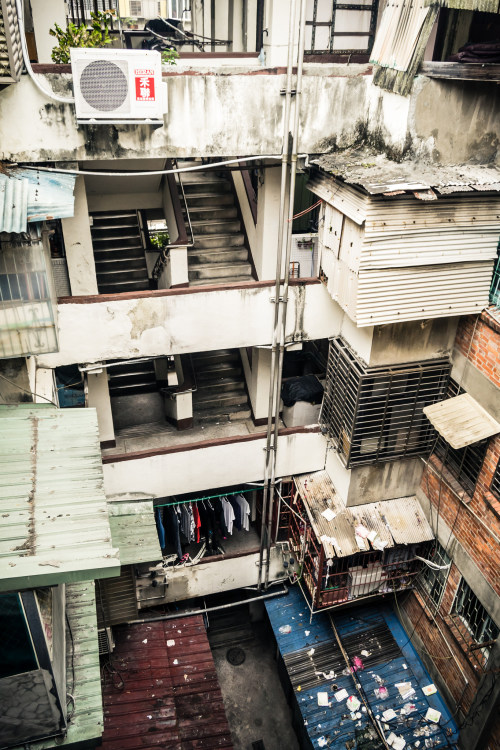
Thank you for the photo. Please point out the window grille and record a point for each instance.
(136, 8)
(464, 463)
(27, 317)
(434, 581)
(376, 413)
(495, 482)
(340, 27)
(473, 623)
(495, 282)
(79, 11)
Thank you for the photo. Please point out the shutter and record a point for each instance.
(11, 56)
(116, 599)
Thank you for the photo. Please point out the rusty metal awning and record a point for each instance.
(461, 421)
(346, 531)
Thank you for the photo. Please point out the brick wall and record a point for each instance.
(484, 350)
(453, 665)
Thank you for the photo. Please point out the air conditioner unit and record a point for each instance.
(118, 86)
(106, 641)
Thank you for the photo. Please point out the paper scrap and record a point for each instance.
(171, 642)
(362, 531)
(372, 535)
(360, 541)
(433, 715)
(341, 695)
(307, 632)
(311, 652)
(323, 699)
(145, 640)
(322, 742)
(429, 689)
(379, 544)
(175, 661)
(328, 514)
(365, 653)
(389, 714)
(353, 703)
(405, 689)
(397, 743)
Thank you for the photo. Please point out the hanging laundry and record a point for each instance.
(229, 515)
(160, 529)
(173, 528)
(197, 522)
(245, 512)
(237, 511)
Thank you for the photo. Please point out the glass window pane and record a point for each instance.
(16, 650)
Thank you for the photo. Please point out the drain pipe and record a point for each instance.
(279, 373)
(203, 611)
(285, 148)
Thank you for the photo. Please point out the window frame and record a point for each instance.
(461, 609)
(436, 580)
(342, 7)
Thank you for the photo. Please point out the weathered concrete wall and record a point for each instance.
(385, 480)
(457, 121)
(412, 341)
(183, 323)
(210, 467)
(18, 390)
(238, 111)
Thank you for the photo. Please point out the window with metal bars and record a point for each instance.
(434, 581)
(340, 27)
(16, 649)
(495, 482)
(468, 612)
(376, 413)
(135, 8)
(495, 282)
(464, 463)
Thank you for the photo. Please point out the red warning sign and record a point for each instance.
(144, 88)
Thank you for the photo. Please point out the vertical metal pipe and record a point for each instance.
(277, 288)
(288, 244)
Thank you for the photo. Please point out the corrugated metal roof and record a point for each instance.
(172, 696)
(461, 421)
(406, 520)
(55, 524)
(398, 521)
(378, 174)
(83, 670)
(485, 6)
(398, 32)
(30, 196)
(11, 56)
(133, 531)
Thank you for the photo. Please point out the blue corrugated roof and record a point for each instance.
(27, 195)
(334, 724)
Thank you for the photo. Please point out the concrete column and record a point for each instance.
(45, 14)
(257, 376)
(276, 22)
(78, 243)
(98, 398)
(266, 245)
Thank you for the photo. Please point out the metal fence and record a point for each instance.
(376, 413)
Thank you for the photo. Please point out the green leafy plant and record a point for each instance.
(169, 56)
(97, 35)
(159, 240)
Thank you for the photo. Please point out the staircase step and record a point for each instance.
(113, 214)
(118, 253)
(220, 385)
(109, 287)
(218, 270)
(218, 241)
(202, 200)
(122, 264)
(217, 186)
(222, 281)
(210, 213)
(115, 235)
(129, 389)
(220, 226)
(225, 256)
(233, 415)
(122, 275)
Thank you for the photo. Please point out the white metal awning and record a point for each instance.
(461, 421)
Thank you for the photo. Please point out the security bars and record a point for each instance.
(340, 27)
(495, 482)
(376, 413)
(473, 623)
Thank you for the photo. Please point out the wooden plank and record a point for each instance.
(461, 71)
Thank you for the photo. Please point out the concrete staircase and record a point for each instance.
(219, 255)
(119, 255)
(132, 378)
(221, 393)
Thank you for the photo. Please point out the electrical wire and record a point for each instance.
(31, 393)
(47, 92)
(306, 210)
(152, 173)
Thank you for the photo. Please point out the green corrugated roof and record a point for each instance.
(133, 531)
(54, 524)
(86, 718)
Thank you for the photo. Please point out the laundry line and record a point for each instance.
(208, 497)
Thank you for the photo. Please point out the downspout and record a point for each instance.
(289, 225)
(285, 145)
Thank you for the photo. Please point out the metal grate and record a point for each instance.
(103, 85)
(340, 27)
(495, 282)
(473, 623)
(464, 463)
(434, 581)
(495, 482)
(376, 413)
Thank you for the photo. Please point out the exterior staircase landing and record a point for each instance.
(221, 394)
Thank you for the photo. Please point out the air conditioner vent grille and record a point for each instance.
(103, 85)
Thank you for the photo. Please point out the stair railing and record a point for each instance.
(182, 239)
